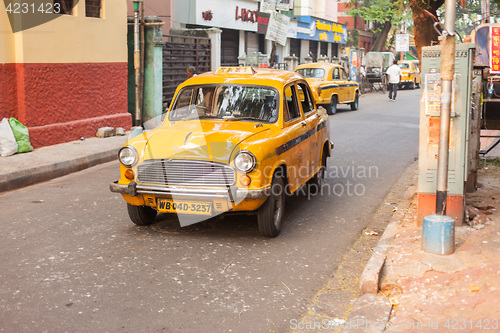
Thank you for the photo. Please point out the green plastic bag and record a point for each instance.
(22, 136)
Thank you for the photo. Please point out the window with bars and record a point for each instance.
(93, 8)
(63, 7)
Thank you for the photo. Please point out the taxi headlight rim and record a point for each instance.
(132, 151)
(250, 158)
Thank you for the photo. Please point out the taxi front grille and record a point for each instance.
(185, 172)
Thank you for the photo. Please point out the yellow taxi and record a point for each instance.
(330, 85)
(233, 141)
(410, 74)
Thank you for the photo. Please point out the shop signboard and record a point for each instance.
(321, 30)
(495, 49)
(277, 29)
(402, 42)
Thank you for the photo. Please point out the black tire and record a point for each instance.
(355, 104)
(270, 214)
(141, 215)
(418, 85)
(314, 185)
(332, 107)
(412, 85)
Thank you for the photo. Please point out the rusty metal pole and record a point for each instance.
(447, 72)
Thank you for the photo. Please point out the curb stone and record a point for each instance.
(370, 313)
(26, 177)
(369, 281)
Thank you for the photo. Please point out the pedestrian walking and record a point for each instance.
(393, 77)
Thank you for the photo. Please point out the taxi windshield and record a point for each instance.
(311, 72)
(404, 66)
(229, 102)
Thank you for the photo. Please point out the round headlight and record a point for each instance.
(244, 161)
(128, 156)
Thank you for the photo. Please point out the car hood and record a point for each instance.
(200, 140)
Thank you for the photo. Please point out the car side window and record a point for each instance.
(344, 75)
(336, 73)
(291, 108)
(305, 98)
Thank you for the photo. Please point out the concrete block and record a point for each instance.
(105, 132)
(120, 131)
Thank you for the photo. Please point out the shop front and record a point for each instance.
(237, 20)
(320, 39)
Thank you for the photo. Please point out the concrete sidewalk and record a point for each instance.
(49, 162)
(415, 291)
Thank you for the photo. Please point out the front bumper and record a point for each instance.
(231, 193)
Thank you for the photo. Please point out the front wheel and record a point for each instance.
(270, 214)
(332, 107)
(141, 215)
(355, 103)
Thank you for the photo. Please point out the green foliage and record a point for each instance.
(495, 162)
(469, 18)
(353, 38)
(381, 11)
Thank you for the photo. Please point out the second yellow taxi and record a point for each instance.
(410, 74)
(330, 85)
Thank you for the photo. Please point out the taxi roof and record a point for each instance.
(258, 76)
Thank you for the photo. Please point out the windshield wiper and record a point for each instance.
(242, 118)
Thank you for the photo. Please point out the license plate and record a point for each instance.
(184, 207)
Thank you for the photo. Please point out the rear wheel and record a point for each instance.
(332, 107)
(314, 185)
(270, 214)
(141, 215)
(355, 103)
(412, 85)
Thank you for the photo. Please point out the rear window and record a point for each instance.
(311, 72)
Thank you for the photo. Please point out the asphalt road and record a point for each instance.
(71, 260)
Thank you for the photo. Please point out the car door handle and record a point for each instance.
(303, 123)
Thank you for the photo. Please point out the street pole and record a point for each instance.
(485, 11)
(447, 72)
(438, 232)
(137, 63)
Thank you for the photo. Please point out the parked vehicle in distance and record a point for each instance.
(330, 85)
(376, 68)
(410, 74)
(233, 141)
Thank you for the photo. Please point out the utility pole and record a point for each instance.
(438, 233)
(447, 73)
(485, 11)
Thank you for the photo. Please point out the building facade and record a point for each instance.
(243, 27)
(65, 75)
(356, 26)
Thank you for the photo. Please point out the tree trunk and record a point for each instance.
(425, 34)
(379, 44)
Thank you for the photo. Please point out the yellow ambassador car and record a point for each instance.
(235, 140)
(410, 74)
(330, 85)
